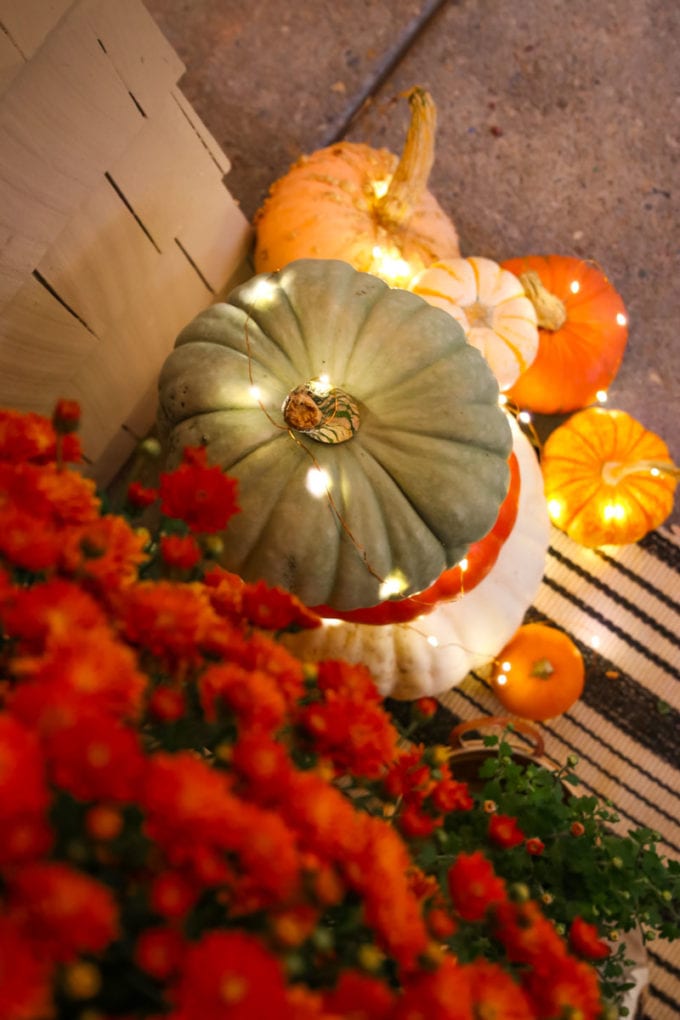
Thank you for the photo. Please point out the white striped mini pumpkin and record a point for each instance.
(490, 304)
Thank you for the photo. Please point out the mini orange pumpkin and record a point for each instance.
(539, 674)
(361, 205)
(583, 330)
(608, 480)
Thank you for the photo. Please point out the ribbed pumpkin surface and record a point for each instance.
(421, 479)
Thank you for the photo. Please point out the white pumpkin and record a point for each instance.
(490, 304)
(435, 652)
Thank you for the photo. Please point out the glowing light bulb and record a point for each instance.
(613, 512)
(654, 471)
(595, 641)
(390, 265)
(602, 396)
(262, 291)
(255, 392)
(432, 640)
(394, 584)
(331, 622)
(321, 385)
(506, 666)
(524, 417)
(621, 319)
(464, 563)
(574, 286)
(555, 508)
(318, 482)
(502, 400)
(380, 187)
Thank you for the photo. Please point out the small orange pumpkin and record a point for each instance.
(539, 674)
(608, 480)
(362, 205)
(583, 330)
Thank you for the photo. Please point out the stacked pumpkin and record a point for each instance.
(379, 479)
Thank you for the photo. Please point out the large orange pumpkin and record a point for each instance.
(608, 480)
(452, 583)
(583, 329)
(362, 205)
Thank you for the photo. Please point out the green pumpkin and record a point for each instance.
(322, 374)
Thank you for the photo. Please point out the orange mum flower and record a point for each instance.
(96, 759)
(252, 694)
(275, 609)
(495, 994)
(107, 552)
(528, 936)
(82, 671)
(171, 620)
(584, 940)
(64, 911)
(56, 608)
(159, 951)
(25, 975)
(505, 831)
(201, 496)
(229, 975)
(31, 437)
(442, 994)
(450, 794)
(23, 789)
(564, 987)
(357, 736)
(180, 551)
(474, 886)
(360, 997)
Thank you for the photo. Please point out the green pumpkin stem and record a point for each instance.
(410, 178)
(550, 311)
(322, 412)
(542, 668)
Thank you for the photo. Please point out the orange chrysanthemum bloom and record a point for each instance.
(495, 994)
(584, 940)
(86, 670)
(25, 975)
(48, 493)
(181, 552)
(450, 794)
(564, 987)
(201, 496)
(260, 652)
(504, 831)
(23, 786)
(230, 975)
(275, 609)
(356, 736)
(474, 886)
(31, 437)
(64, 911)
(95, 759)
(359, 996)
(527, 935)
(442, 994)
(55, 609)
(106, 552)
(159, 951)
(252, 695)
(172, 621)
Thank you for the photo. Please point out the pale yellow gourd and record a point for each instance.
(490, 304)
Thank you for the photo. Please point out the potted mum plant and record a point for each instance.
(197, 824)
(608, 889)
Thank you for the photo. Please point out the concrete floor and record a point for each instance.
(559, 130)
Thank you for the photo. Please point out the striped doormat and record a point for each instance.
(622, 608)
